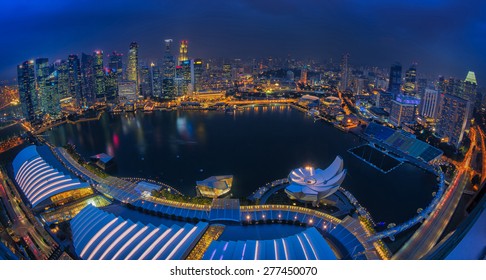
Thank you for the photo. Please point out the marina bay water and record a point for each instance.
(256, 145)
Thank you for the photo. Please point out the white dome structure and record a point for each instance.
(312, 185)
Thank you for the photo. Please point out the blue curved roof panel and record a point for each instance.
(98, 235)
(40, 176)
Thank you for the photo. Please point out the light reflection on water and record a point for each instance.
(256, 145)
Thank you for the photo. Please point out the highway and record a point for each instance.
(427, 236)
(25, 226)
(483, 149)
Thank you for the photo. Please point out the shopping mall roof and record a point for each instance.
(306, 245)
(40, 175)
(98, 235)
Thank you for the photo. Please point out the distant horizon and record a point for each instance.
(444, 37)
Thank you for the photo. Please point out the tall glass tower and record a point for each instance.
(132, 68)
(169, 71)
(395, 79)
(27, 92)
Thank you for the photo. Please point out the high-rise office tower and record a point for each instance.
(455, 87)
(470, 87)
(156, 76)
(99, 76)
(198, 69)
(343, 85)
(187, 87)
(61, 66)
(116, 64)
(111, 84)
(453, 119)
(132, 68)
(145, 82)
(87, 80)
(421, 86)
(42, 71)
(395, 79)
(52, 105)
(74, 78)
(403, 109)
(27, 91)
(303, 75)
(409, 87)
(429, 104)
(169, 71)
(227, 73)
(183, 52)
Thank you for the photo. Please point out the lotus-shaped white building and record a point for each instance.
(312, 185)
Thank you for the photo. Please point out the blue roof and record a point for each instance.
(307, 245)
(40, 176)
(100, 235)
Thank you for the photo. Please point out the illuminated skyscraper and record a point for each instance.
(344, 72)
(169, 71)
(197, 74)
(99, 76)
(116, 63)
(410, 80)
(132, 68)
(470, 87)
(185, 74)
(156, 76)
(403, 109)
(429, 103)
(395, 79)
(227, 73)
(183, 52)
(27, 92)
(453, 119)
(111, 84)
(74, 78)
(145, 82)
(42, 71)
(87, 80)
(52, 106)
(61, 66)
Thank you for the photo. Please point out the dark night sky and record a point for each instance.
(443, 36)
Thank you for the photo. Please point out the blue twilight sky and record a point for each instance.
(443, 36)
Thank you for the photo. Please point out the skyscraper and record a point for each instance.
(61, 66)
(183, 52)
(145, 82)
(470, 88)
(27, 92)
(42, 71)
(74, 78)
(395, 79)
(185, 74)
(409, 87)
(111, 84)
(132, 68)
(99, 76)
(52, 105)
(198, 70)
(156, 76)
(403, 109)
(429, 104)
(453, 119)
(169, 71)
(116, 63)
(87, 80)
(343, 85)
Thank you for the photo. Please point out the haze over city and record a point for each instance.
(443, 37)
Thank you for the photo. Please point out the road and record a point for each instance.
(483, 149)
(25, 225)
(427, 236)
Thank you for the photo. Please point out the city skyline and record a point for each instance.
(444, 38)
